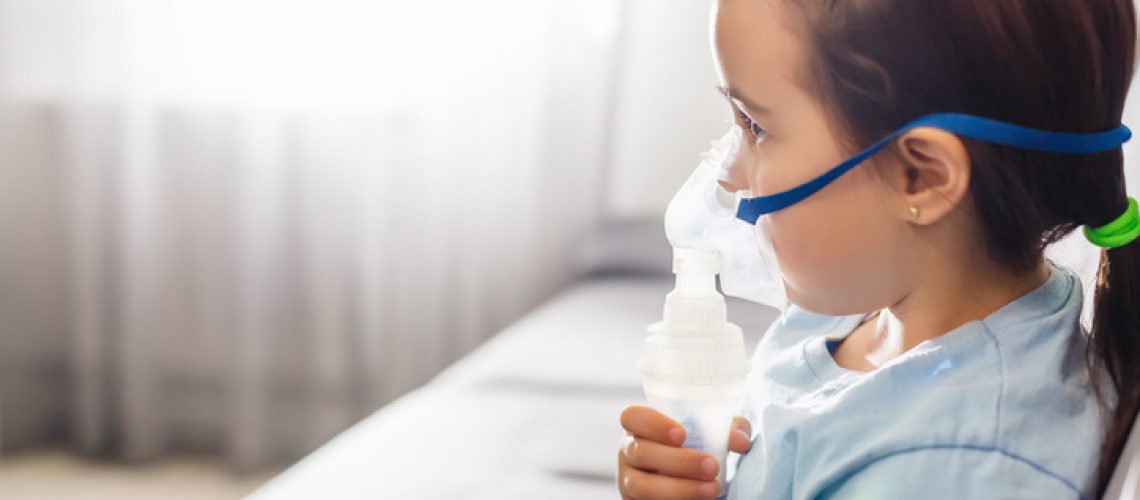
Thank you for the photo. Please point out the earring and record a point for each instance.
(914, 213)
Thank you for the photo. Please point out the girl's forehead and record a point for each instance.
(756, 50)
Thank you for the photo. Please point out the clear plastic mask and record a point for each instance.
(702, 216)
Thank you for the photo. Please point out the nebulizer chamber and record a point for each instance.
(694, 363)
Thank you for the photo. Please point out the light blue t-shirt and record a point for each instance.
(997, 408)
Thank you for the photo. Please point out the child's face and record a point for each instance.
(841, 249)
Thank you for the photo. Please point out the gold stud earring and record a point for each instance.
(914, 213)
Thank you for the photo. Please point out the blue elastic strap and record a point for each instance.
(974, 127)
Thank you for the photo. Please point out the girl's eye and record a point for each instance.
(755, 132)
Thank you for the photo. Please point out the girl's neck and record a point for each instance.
(944, 301)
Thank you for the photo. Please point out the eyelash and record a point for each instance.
(753, 129)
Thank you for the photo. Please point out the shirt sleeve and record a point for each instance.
(952, 473)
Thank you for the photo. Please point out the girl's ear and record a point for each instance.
(935, 174)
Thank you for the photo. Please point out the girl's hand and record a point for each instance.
(653, 465)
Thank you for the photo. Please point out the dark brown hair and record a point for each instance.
(1062, 65)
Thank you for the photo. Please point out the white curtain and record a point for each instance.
(238, 226)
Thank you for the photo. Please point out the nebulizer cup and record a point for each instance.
(694, 362)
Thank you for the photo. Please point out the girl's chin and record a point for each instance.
(825, 306)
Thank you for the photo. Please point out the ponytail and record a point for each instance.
(1114, 343)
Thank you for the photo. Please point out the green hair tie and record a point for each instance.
(1119, 232)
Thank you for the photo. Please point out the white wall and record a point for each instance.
(666, 109)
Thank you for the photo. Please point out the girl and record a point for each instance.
(972, 377)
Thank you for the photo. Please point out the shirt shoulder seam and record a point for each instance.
(1001, 385)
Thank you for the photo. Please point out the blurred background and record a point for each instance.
(230, 229)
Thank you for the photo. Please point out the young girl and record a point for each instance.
(971, 377)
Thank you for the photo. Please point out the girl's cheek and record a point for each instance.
(783, 241)
(770, 173)
(797, 234)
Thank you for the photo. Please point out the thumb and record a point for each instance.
(740, 440)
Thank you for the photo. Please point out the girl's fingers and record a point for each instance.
(638, 484)
(741, 423)
(740, 439)
(648, 423)
(668, 460)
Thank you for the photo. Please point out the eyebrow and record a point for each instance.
(735, 95)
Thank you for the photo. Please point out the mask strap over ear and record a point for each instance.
(973, 127)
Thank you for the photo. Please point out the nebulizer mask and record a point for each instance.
(702, 218)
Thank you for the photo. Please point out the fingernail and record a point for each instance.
(677, 436)
(744, 434)
(709, 466)
(709, 490)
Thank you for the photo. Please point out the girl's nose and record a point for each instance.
(735, 176)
